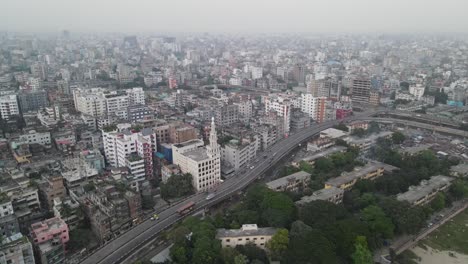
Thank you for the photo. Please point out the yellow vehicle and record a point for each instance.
(155, 217)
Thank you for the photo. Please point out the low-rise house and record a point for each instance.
(460, 170)
(426, 190)
(311, 159)
(246, 234)
(370, 171)
(291, 182)
(332, 194)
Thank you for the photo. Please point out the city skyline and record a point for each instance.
(243, 16)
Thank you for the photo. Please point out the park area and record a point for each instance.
(448, 244)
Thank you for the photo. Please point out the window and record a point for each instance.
(239, 239)
(228, 240)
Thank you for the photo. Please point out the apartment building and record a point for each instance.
(248, 233)
(238, 153)
(426, 190)
(314, 107)
(16, 249)
(131, 149)
(8, 221)
(52, 187)
(361, 88)
(203, 163)
(36, 137)
(226, 115)
(291, 182)
(282, 106)
(332, 194)
(370, 171)
(49, 238)
(9, 106)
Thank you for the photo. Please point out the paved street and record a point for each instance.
(116, 250)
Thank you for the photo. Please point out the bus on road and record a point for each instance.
(188, 207)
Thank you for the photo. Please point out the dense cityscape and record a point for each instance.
(229, 148)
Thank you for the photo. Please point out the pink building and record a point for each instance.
(343, 113)
(50, 229)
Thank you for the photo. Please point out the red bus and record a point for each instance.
(186, 208)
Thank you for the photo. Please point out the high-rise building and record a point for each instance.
(314, 107)
(282, 107)
(226, 115)
(32, 100)
(361, 87)
(131, 149)
(327, 87)
(203, 163)
(136, 96)
(9, 106)
(299, 73)
(52, 188)
(39, 70)
(99, 102)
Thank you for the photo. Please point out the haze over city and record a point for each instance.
(233, 132)
(242, 16)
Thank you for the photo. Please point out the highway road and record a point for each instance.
(118, 249)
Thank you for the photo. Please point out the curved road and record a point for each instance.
(118, 249)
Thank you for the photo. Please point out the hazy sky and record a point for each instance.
(235, 16)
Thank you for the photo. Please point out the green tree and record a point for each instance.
(253, 252)
(398, 137)
(319, 214)
(341, 126)
(378, 222)
(179, 254)
(308, 244)
(459, 189)
(240, 259)
(359, 132)
(177, 186)
(305, 166)
(438, 202)
(324, 165)
(278, 243)
(362, 254)
(228, 255)
(374, 128)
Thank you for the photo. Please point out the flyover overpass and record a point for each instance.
(120, 248)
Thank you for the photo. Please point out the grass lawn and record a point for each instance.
(453, 235)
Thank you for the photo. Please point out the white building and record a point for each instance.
(136, 96)
(99, 102)
(249, 233)
(8, 106)
(133, 150)
(238, 154)
(257, 72)
(203, 163)
(90, 101)
(6, 209)
(417, 90)
(282, 107)
(34, 137)
(313, 106)
(245, 109)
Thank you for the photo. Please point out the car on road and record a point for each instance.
(210, 196)
(251, 167)
(154, 217)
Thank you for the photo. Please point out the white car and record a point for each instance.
(210, 196)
